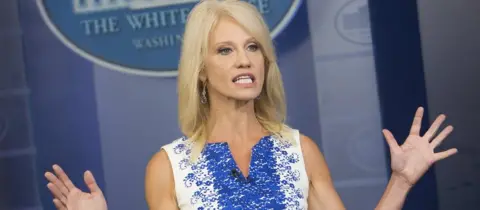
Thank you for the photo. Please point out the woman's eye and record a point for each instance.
(224, 51)
(253, 47)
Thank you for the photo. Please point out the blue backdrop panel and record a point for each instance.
(62, 104)
(401, 83)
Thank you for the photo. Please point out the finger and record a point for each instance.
(444, 154)
(392, 142)
(59, 205)
(58, 183)
(63, 176)
(91, 183)
(439, 139)
(434, 127)
(417, 122)
(56, 193)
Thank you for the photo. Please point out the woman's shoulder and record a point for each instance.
(307, 144)
(297, 134)
(294, 135)
(178, 149)
(168, 154)
(159, 180)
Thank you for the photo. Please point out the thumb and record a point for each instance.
(91, 183)
(391, 141)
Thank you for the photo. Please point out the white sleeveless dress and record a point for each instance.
(277, 176)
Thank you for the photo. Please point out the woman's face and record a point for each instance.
(235, 65)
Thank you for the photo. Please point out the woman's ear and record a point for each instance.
(202, 76)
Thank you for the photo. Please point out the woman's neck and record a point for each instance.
(233, 122)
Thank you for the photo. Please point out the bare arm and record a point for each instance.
(394, 195)
(159, 183)
(409, 163)
(322, 194)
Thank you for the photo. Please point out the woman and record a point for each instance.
(237, 152)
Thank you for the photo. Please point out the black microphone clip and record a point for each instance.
(234, 173)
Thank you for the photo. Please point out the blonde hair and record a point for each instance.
(270, 108)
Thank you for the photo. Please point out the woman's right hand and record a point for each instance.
(69, 197)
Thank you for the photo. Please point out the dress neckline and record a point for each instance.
(253, 154)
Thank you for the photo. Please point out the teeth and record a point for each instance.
(244, 80)
(243, 77)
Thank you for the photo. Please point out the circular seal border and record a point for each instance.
(339, 32)
(287, 18)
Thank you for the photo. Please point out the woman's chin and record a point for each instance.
(244, 98)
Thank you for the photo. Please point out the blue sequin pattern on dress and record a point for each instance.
(218, 183)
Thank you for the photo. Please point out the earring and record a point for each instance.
(203, 96)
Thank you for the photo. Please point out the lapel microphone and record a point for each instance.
(234, 173)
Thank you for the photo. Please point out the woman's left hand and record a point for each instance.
(413, 158)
